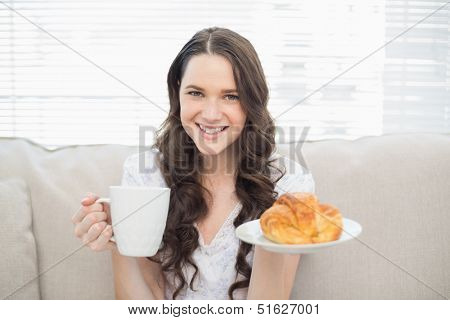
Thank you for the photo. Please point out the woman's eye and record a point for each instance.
(233, 97)
(194, 92)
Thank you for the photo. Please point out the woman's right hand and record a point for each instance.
(93, 224)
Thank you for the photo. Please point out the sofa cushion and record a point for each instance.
(18, 267)
(57, 181)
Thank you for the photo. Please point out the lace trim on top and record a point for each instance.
(217, 242)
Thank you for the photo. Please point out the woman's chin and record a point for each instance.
(209, 150)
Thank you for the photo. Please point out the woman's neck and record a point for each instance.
(222, 164)
(219, 169)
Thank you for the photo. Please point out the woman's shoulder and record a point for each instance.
(294, 176)
(141, 168)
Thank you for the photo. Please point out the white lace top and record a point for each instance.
(216, 261)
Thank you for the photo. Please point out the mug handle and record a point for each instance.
(106, 200)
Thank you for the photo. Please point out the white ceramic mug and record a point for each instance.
(138, 216)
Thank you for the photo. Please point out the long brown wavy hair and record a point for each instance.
(181, 163)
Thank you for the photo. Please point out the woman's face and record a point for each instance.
(211, 112)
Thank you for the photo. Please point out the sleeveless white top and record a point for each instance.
(215, 261)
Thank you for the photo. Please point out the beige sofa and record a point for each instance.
(396, 186)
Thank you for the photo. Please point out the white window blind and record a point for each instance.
(76, 72)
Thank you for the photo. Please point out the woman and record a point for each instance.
(216, 152)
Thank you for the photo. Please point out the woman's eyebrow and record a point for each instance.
(198, 88)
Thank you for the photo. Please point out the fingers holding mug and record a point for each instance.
(103, 241)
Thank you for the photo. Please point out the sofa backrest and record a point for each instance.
(398, 188)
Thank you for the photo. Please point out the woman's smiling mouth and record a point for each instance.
(211, 132)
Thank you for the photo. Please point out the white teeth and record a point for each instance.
(211, 131)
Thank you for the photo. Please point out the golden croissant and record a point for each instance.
(299, 218)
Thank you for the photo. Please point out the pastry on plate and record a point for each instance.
(299, 218)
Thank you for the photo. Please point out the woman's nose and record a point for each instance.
(211, 112)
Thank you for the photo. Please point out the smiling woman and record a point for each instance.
(215, 151)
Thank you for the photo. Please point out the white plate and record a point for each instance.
(251, 232)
